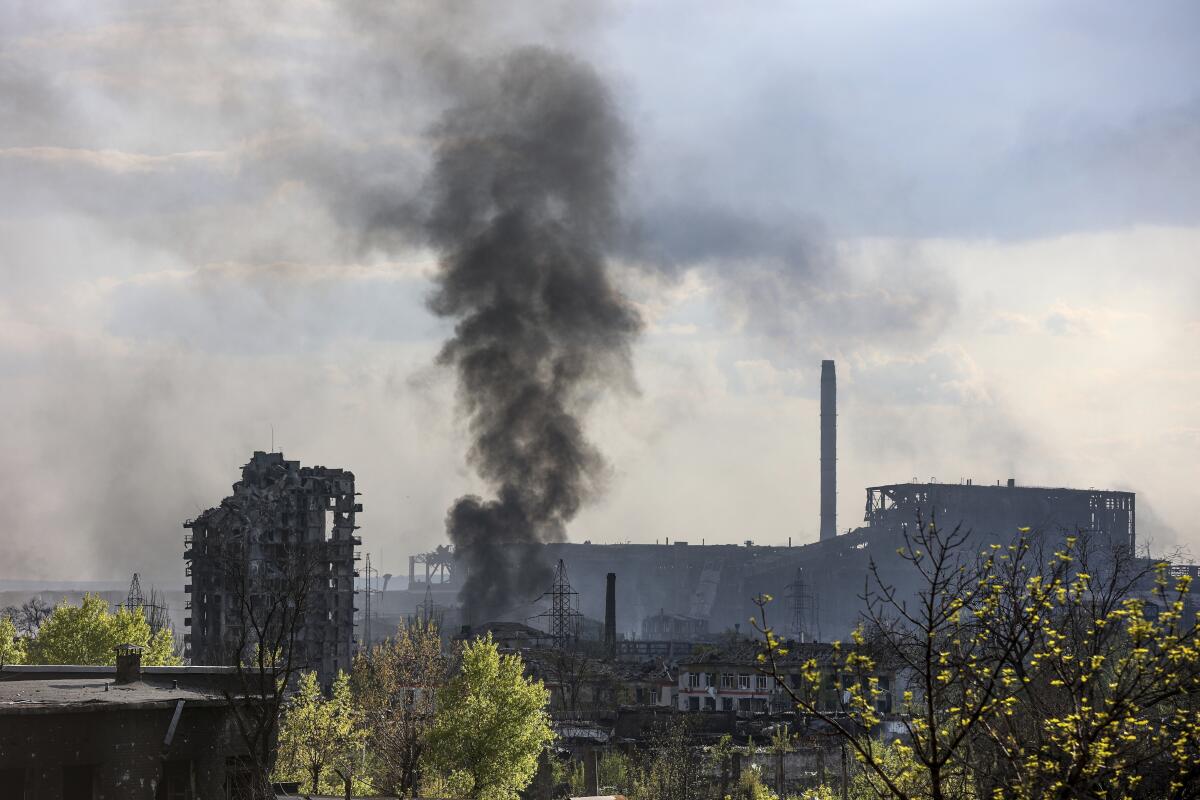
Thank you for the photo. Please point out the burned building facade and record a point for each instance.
(285, 539)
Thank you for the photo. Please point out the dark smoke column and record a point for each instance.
(524, 214)
(828, 451)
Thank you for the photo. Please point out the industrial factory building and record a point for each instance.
(679, 590)
(686, 591)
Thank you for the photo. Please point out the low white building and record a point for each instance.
(730, 679)
(724, 687)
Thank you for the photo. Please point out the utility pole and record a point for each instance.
(845, 775)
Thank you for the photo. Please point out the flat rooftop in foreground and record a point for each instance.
(92, 694)
(27, 689)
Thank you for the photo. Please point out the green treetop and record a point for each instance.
(89, 632)
(12, 647)
(320, 737)
(490, 726)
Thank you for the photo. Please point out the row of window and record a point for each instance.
(752, 705)
(726, 680)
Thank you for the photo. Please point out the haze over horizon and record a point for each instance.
(989, 216)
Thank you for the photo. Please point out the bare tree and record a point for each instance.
(395, 686)
(157, 611)
(29, 616)
(1037, 668)
(577, 677)
(270, 607)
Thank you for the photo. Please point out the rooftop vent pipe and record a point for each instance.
(129, 663)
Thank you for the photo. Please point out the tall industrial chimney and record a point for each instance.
(828, 451)
(610, 616)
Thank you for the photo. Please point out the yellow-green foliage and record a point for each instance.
(1108, 686)
(1057, 682)
(752, 787)
(89, 633)
(12, 647)
(490, 725)
(908, 775)
(320, 738)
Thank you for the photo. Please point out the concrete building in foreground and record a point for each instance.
(87, 733)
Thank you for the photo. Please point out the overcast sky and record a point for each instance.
(988, 213)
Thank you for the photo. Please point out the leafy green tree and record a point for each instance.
(89, 633)
(12, 646)
(75, 635)
(130, 626)
(490, 725)
(320, 738)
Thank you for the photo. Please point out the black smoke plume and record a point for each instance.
(524, 194)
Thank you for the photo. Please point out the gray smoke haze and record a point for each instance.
(781, 277)
(525, 215)
(214, 221)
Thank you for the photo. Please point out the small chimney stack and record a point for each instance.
(828, 451)
(610, 616)
(129, 663)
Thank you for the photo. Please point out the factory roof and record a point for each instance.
(503, 631)
(997, 485)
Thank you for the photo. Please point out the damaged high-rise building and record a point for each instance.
(284, 539)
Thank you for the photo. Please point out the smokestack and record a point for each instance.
(610, 616)
(828, 451)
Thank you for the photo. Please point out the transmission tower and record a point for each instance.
(135, 599)
(154, 609)
(804, 610)
(564, 617)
